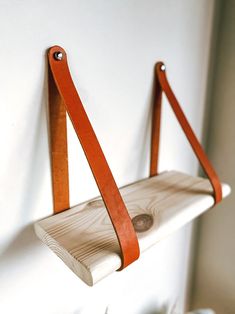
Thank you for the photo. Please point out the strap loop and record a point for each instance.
(63, 93)
(162, 85)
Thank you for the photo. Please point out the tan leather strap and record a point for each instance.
(163, 85)
(62, 90)
(156, 123)
(59, 154)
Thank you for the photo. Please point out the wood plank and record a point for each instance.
(83, 236)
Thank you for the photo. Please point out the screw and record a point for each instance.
(58, 55)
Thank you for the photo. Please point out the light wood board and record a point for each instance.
(83, 236)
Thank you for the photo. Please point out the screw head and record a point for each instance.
(163, 67)
(58, 55)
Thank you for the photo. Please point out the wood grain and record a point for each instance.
(83, 236)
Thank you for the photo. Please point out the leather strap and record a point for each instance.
(156, 123)
(163, 85)
(62, 90)
(59, 153)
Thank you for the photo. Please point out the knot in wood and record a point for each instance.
(142, 222)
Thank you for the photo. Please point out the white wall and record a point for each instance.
(112, 48)
(215, 272)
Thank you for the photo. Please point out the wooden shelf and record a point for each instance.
(83, 236)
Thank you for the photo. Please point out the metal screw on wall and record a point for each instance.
(58, 55)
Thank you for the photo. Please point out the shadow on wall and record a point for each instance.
(143, 138)
(36, 168)
(162, 310)
(158, 310)
(154, 309)
(24, 244)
